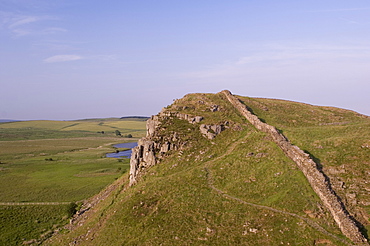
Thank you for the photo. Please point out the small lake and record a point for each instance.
(122, 154)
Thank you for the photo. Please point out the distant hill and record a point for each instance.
(143, 118)
(6, 120)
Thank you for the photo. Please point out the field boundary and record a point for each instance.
(319, 182)
(32, 203)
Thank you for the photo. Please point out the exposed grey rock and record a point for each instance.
(151, 125)
(214, 108)
(165, 147)
(143, 156)
(198, 119)
(189, 118)
(211, 131)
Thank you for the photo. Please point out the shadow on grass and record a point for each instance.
(319, 166)
(251, 110)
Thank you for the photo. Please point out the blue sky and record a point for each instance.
(73, 59)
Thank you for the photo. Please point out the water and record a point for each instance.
(122, 154)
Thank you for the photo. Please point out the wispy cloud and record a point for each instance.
(22, 25)
(62, 58)
(53, 30)
(23, 20)
(274, 59)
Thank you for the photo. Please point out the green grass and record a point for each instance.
(23, 223)
(174, 204)
(38, 164)
(69, 176)
(337, 139)
(29, 148)
(43, 129)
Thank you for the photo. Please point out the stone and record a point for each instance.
(165, 147)
(317, 179)
(211, 131)
(214, 108)
(143, 156)
(151, 126)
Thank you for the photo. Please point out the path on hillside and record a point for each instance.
(318, 180)
(209, 177)
(32, 203)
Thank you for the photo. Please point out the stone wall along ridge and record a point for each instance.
(317, 179)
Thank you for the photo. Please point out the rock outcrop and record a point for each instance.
(317, 179)
(143, 156)
(191, 119)
(152, 147)
(211, 131)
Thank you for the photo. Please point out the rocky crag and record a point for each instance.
(153, 148)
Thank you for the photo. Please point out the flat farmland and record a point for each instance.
(47, 168)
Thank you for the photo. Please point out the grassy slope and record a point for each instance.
(212, 192)
(23, 223)
(338, 139)
(51, 168)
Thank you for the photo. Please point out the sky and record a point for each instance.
(75, 59)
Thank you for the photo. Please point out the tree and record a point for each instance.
(118, 133)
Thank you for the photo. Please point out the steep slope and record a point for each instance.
(205, 175)
(338, 140)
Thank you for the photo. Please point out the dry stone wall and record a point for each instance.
(317, 179)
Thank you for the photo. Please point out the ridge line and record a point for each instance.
(317, 179)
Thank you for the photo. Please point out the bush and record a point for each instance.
(71, 209)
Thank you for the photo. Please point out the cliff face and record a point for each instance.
(144, 154)
(151, 148)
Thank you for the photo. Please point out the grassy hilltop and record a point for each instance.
(48, 167)
(238, 188)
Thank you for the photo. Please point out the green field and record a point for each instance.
(42, 129)
(62, 162)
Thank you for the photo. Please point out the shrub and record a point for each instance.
(71, 209)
